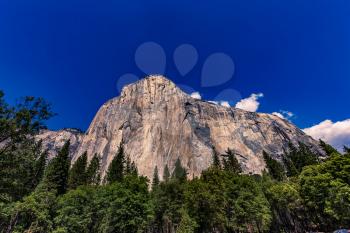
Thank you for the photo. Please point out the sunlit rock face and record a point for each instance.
(159, 123)
(54, 140)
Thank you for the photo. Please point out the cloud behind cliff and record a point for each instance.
(335, 133)
(251, 103)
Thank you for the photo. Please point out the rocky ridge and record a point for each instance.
(159, 123)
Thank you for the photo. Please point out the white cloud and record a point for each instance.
(225, 104)
(251, 103)
(196, 95)
(335, 133)
(287, 114)
(222, 103)
(284, 114)
(213, 102)
(280, 115)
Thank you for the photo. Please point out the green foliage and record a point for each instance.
(22, 160)
(180, 172)
(155, 180)
(328, 148)
(75, 211)
(286, 207)
(93, 176)
(249, 209)
(298, 158)
(21, 170)
(168, 201)
(276, 170)
(166, 173)
(34, 213)
(124, 206)
(56, 175)
(206, 202)
(115, 171)
(346, 150)
(216, 159)
(186, 225)
(20, 122)
(338, 203)
(77, 174)
(231, 163)
(324, 189)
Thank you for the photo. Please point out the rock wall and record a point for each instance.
(159, 123)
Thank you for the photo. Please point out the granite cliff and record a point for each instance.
(159, 123)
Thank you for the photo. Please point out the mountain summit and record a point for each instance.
(159, 123)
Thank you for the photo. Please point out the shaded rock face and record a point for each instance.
(159, 123)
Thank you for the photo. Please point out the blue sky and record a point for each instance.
(295, 52)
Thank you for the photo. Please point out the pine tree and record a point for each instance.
(116, 168)
(39, 168)
(346, 150)
(186, 225)
(93, 171)
(133, 169)
(56, 175)
(180, 172)
(166, 173)
(231, 163)
(275, 168)
(128, 166)
(216, 160)
(328, 148)
(77, 174)
(155, 181)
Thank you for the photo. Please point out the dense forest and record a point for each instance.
(297, 194)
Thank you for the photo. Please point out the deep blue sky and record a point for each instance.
(296, 52)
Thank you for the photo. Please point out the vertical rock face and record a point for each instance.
(159, 123)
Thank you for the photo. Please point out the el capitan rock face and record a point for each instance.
(159, 123)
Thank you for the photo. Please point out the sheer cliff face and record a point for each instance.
(159, 123)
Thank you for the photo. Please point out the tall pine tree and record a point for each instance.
(231, 163)
(77, 174)
(180, 172)
(216, 160)
(93, 171)
(276, 170)
(115, 171)
(155, 180)
(328, 148)
(56, 175)
(166, 173)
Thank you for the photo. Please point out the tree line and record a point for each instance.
(297, 193)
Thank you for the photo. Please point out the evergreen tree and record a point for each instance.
(275, 169)
(77, 174)
(133, 169)
(346, 150)
(216, 160)
(128, 167)
(56, 175)
(231, 163)
(299, 157)
(93, 171)
(328, 148)
(39, 167)
(180, 172)
(155, 181)
(21, 155)
(166, 173)
(116, 168)
(186, 225)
